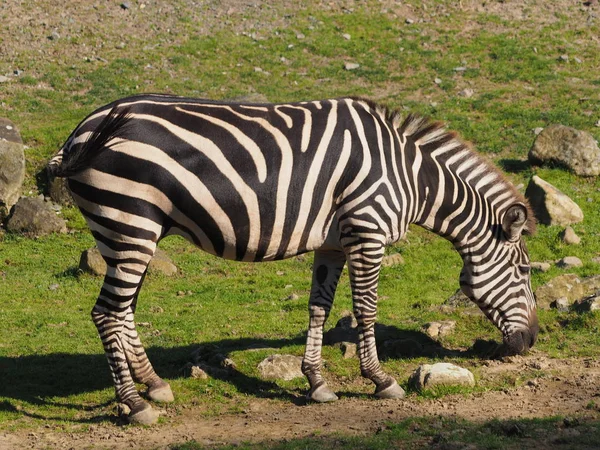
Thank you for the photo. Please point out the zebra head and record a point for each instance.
(496, 276)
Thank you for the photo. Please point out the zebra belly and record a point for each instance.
(116, 204)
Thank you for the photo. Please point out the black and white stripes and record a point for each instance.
(260, 182)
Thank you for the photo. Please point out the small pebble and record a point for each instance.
(351, 66)
(437, 81)
(125, 5)
(346, 36)
(564, 58)
(409, 21)
(537, 130)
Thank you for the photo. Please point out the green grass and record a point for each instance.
(52, 367)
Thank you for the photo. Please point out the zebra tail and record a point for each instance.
(72, 160)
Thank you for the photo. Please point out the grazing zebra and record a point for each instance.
(260, 182)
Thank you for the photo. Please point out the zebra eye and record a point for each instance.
(524, 269)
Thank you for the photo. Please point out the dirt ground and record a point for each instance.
(567, 387)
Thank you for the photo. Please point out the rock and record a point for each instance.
(551, 206)
(568, 262)
(348, 349)
(541, 266)
(91, 261)
(537, 130)
(587, 304)
(428, 376)
(34, 217)
(440, 329)
(281, 367)
(400, 348)
(161, 263)
(569, 286)
(560, 304)
(569, 237)
(575, 149)
(59, 191)
(437, 81)
(198, 373)
(459, 300)
(392, 260)
(347, 321)
(346, 36)
(351, 66)
(12, 166)
(467, 93)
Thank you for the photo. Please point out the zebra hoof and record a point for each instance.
(161, 393)
(322, 394)
(145, 415)
(392, 391)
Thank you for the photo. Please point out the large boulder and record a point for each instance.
(35, 217)
(12, 166)
(569, 286)
(551, 206)
(574, 149)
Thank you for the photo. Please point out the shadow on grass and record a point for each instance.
(42, 380)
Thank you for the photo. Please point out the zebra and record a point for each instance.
(258, 182)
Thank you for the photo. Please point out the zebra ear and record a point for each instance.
(514, 221)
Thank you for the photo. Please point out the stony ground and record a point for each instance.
(564, 388)
(568, 388)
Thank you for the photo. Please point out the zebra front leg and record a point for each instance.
(327, 268)
(364, 265)
(140, 366)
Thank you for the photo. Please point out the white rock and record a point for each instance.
(351, 66)
(551, 206)
(428, 376)
(569, 261)
(282, 367)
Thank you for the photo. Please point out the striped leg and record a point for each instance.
(327, 268)
(140, 366)
(364, 264)
(113, 317)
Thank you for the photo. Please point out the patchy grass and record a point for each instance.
(51, 361)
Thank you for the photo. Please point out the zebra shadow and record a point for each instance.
(34, 383)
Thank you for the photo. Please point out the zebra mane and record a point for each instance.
(426, 131)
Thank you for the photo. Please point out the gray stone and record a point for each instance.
(575, 149)
(561, 304)
(569, 286)
(346, 330)
(59, 191)
(348, 349)
(281, 367)
(91, 261)
(34, 217)
(459, 300)
(541, 266)
(351, 66)
(392, 260)
(569, 237)
(551, 206)
(587, 304)
(193, 371)
(428, 376)
(12, 166)
(400, 348)
(467, 93)
(568, 262)
(440, 329)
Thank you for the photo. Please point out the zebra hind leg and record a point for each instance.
(327, 268)
(364, 266)
(140, 366)
(113, 317)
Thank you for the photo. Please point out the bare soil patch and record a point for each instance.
(566, 388)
